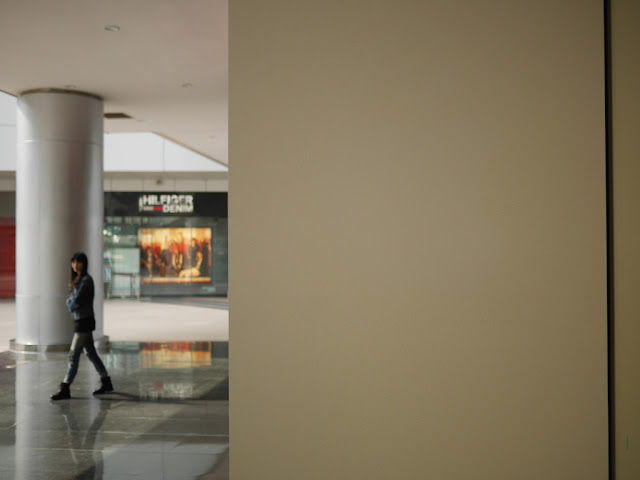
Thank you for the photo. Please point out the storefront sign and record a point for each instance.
(173, 204)
(166, 203)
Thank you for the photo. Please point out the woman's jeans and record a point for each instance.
(83, 340)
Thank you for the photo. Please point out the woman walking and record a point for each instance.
(80, 304)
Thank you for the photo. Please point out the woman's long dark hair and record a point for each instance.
(82, 258)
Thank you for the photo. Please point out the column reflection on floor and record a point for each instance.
(167, 418)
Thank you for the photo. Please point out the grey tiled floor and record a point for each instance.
(166, 419)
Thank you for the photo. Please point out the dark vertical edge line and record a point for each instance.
(610, 234)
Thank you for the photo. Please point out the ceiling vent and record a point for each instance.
(116, 116)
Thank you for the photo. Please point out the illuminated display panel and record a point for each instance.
(175, 255)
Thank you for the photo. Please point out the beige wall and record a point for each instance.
(417, 240)
(626, 178)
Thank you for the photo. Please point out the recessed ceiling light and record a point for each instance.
(112, 28)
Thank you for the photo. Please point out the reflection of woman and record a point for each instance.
(194, 271)
(80, 440)
(80, 304)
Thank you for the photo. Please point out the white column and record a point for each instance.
(59, 211)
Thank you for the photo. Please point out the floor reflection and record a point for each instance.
(79, 440)
(176, 354)
(167, 418)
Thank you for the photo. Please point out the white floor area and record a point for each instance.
(132, 320)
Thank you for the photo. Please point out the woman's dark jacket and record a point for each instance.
(80, 304)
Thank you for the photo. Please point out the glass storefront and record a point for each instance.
(165, 244)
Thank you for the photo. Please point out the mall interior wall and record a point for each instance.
(418, 261)
(625, 118)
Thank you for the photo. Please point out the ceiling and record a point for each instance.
(166, 66)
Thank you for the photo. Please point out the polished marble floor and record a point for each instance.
(166, 419)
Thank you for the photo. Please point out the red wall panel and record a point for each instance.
(7, 258)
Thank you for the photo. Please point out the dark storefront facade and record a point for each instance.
(158, 244)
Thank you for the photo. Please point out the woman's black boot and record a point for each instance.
(63, 393)
(106, 386)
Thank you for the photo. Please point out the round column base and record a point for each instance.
(102, 345)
